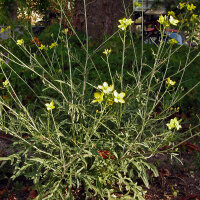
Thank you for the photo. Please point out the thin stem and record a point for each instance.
(87, 55)
(108, 64)
(123, 59)
(71, 81)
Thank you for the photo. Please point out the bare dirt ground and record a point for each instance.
(177, 181)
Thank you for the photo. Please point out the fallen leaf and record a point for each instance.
(164, 148)
(32, 194)
(105, 154)
(36, 40)
(2, 191)
(26, 189)
(190, 147)
(12, 197)
(164, 172)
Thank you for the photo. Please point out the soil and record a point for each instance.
(177, 181)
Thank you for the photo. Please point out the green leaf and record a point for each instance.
(20, 171)
(5, 158)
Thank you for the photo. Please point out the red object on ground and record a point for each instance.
(172, 30)
(2, 191)
(12, 197)
(36, 40)
(105, 154)
(191, 147)
(32, 194)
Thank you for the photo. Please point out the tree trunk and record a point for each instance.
(102, 16)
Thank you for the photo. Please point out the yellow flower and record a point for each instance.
(194, 17)
(175, 109)
(118, 97)
(191, 7)
(174, 123)
(8, 28)
(20, 42)
(170, 82)
(173, 21)
(171, 13)
(5, 83)
(65, 31)
(124, 23)
(2, 30)
(172, 41)
(50, 106)
(110, 102)
(181, 5)
(60, 70)
(98, 97)
(42, 47)
(106, 89)
(122, 27)
(53, 45)
(163, 20)
(107, 51)
(128, 22)
(136, 4)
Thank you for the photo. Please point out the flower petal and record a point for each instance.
(105, 84)
(115, 93)
(122, 95)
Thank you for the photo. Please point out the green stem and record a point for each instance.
(123, 58)
(109, 69)
(87, 55)
(48, 122)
